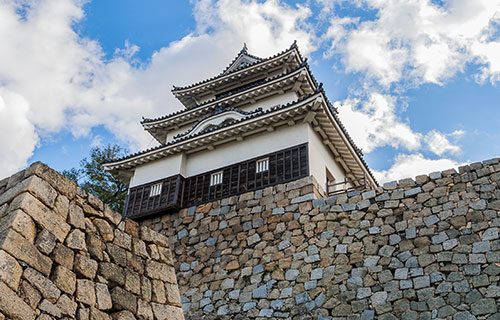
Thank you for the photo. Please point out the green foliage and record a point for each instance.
(92, 177)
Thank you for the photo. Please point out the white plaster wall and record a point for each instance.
(250, 147)
(320, 158)
(158, 169)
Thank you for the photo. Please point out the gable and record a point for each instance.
(242, 61)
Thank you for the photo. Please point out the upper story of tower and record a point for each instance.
(248, 81)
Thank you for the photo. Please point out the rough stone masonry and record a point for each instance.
(65, 255)
(427, 248)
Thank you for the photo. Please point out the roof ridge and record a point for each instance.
(293, 46)
(243, 51)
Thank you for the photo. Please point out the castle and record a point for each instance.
(259, 123)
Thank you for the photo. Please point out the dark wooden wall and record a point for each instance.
(179, 192)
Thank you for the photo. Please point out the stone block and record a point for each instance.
(63, 256)
(490, 234)
(19, 221)
(117, 254)
(173, 296)
(85, 292)
(158, 290)
(149, 235)
(161, 271)
(42, 215)
(46, 287)
(484, 306)
(113, 273)
(112, 216)
(95, 246)
(76, 217)
(103, 298)
(105, 229)
(167, 312)
(67, 306)
(62, 207)
(45, 241)
(96, 314)
(144, 310)
(55, 179)
(10, 270)
(86, 267)
(123, 239)
(36, 186)
(253, 239)
(64, 279)
(13, 306)
(50, 308)
(123, 300)
(76, 240)
(31, 295)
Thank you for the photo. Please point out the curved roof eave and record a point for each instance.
(149, 122)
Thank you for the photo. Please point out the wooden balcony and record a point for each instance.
(140, 203)
(285, 165)
(178, 192)
(359, 184)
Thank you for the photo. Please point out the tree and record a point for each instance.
(92, 177)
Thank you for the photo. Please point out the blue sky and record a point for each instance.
(415, 82)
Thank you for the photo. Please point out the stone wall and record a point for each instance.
(413, 249)
(63, 254)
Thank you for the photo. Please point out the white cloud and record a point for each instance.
(418, 41)
(411, 165)
(439, 143)
(373, 123)
(17, 134)
(62, 81)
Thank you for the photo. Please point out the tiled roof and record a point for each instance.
(237, 90)
(293, 46)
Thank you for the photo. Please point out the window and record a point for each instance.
(216, 178)
(262, 165)
(155, 190)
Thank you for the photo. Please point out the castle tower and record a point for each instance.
(261, 122)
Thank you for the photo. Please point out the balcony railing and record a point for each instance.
(285, 165)
(139, 201)
(358, 184)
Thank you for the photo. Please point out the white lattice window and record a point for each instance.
(155, 190)
(216, 178)
(262, 165)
